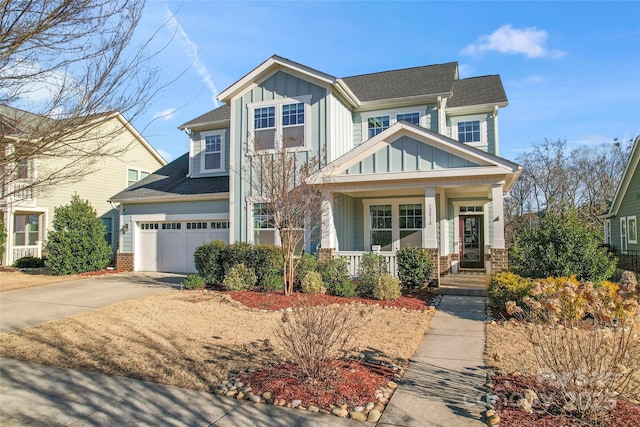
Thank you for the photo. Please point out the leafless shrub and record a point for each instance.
(314, 337)
(584, 344)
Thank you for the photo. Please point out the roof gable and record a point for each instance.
(625, 182)
(478, 91)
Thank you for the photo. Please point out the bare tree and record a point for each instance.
(72, 64)
(282, 180)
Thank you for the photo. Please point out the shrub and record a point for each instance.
(3, 238)
(271, 282)
(335, 276)
(193, 281)
(239, 278)
(306, 263)
(208, 260)
(372, 266)
(77, 244)
(312, 283)
(313, 337)
(29, 262)
(561, 246)
(414, 267)
(506, 286)
(234, 254)
(387, 288)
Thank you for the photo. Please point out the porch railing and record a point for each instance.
(23, 251)
(627, 260)
(15, 192)
(354, 258)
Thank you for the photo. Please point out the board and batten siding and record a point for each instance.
(406, 154)
(278, 86)
(630, 206)
(135, 212)
(341, 129)
(196, 153)
(490, 135)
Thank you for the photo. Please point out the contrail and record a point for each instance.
(192, 51)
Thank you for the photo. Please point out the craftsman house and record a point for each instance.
(411, 158)
(30, 192)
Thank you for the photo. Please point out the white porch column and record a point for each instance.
(327, 227)
(429, 239)
(8, 228)
(497, 197)
(444, 225)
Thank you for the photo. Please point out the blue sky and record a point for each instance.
(571, 69)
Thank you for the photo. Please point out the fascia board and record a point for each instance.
(629, 170)
(419, 175)
(471, 109)
(171, 198)
(215, 124)
(141, 139)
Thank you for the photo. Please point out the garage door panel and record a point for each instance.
(171, 247)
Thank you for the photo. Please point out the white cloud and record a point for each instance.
(530, 42)
(166, 114)
(192, 52)
(165, 155)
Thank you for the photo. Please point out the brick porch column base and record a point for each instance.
(499, 260)
(324, 253)
(434, 255)
(124, 261)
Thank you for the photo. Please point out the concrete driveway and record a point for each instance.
(24, 308)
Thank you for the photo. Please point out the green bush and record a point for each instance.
(271, 282)
(372, 266)
(77, 244)
(208, 260)
(29, 262)
(3, 238)
(239, 278)
(335, 276)
(234, 254)
(387, 288)
(307, 263)
(506, 286)
(312, 283)
(562, 245)
(193, 281)
(414, 267)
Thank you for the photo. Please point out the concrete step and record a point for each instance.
(460, 291)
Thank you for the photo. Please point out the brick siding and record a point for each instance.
(124, 261)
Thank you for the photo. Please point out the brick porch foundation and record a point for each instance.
(124, 261)
(499, 260)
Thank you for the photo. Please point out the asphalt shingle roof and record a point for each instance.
(219, 114)
(172, 180)
(403, 83)
(477, 91)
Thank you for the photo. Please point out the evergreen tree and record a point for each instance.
(77, 244)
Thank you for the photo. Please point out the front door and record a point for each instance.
(471, 242)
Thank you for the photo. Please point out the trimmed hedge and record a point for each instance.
(506, 286)
(414, 267)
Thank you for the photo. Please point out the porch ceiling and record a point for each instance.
(480, 191)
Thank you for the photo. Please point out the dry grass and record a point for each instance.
(190, 339)
(509, 350)
(11, 279)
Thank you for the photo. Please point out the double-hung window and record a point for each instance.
(410, 225)
(26, 229)
(409, 117)
(212, 151)
(381, 226)
(280, 124)
(135, 175)
(632, 225)
(377, 125)
(394, 224)
(264, 232)
(470, 130)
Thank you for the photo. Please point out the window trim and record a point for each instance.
(632, 229)
(203, 154)
(108, 231)
(278, 104)
(25, 233)
(138, 173)
(607, 231)
(395, 219)
(484, 136)
(393, 117)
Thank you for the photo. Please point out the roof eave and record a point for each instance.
(171, 198)
(406, 100)
(477, 107)
(213, 123)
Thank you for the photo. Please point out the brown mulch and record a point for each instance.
(277, 301)
(354, 383)
(510, 389)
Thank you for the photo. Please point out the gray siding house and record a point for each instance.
(621, 222)
(412, 159)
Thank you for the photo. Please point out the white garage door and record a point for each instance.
(169, 246)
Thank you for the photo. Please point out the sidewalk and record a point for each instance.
(445, 380)
(443, 386)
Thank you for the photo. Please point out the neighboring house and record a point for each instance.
(28, 212)
(411, 160)
(621, 222)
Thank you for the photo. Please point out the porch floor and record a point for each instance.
(470, 284)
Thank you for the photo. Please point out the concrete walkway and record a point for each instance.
(24, 308)
(445, 380)
(443, 386)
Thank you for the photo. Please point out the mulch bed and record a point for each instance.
(510, 388)
(354, 383)
(277, 301)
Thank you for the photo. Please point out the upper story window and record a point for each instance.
(409, 117)
(22, 169)
(280, 124)
(135, 175)
(377, 125)
(470, 130)
(212, 151)
(108, 229)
